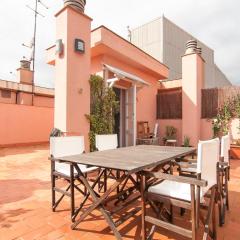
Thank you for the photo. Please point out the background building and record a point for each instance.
(166, 42)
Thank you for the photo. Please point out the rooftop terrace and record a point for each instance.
(25, 201)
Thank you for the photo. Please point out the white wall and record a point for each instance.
(149, 38)
(220, 78)
(165, 41)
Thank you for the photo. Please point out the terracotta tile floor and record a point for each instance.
(25, 199)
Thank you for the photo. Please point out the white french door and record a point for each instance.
(130, 116)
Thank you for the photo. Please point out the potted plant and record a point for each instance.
(235, 149)
(170, 134)
(186, 142)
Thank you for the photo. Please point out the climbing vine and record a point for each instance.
(104, 106)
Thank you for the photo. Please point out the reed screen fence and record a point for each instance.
(169, 102)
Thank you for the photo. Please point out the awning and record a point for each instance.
(122, 74)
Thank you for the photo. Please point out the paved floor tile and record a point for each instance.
(25, 204)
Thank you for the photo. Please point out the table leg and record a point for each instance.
(143, 186)
(99, 202)
(87, 195)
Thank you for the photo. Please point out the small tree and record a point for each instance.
(229, 110)
(104, 106)
(237, 110)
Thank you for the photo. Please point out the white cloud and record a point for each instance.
(215, 22)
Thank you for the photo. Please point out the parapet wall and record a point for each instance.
(24, 125)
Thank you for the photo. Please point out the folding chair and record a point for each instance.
(109, 142)
(185, 192)
(60, 147)
(224, 176)
(154, 136)
(189, 167)
(103, 143)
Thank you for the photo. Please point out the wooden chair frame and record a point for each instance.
(194, 205)
(223, 177)
(70, 189)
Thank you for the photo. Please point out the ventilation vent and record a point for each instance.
(77, 4)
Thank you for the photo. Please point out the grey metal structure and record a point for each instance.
(166, 42)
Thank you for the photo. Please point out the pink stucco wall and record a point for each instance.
(43, 101)
(11, 99)
(206, 132)
(21, 124)
(24, 98)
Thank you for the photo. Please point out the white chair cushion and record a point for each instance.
(66, 146)
(171, 141)
(106, 142)
(225, 147)
(65, 169)
(173, 189)
(190, 169)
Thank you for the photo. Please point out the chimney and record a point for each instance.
(199, 50)
(25, 64)
(77, 4)
(24, 73)
(191, 47)
(192, 85)
(73, 27)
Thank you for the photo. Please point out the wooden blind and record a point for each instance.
(169, 104)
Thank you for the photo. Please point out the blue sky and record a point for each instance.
(214, 22)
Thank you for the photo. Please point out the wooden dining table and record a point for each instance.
(129, 161)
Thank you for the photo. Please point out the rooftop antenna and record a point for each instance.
(32, 44)
(129, 34)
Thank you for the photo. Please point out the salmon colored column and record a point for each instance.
(192, 84)
(72, 90)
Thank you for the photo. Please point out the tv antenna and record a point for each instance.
(129, 33)
(32, 44)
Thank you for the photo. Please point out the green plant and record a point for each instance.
(104, 106)
(229, 110)
(220, 125)
(237, 110)
(170, 133)
(186, 141)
